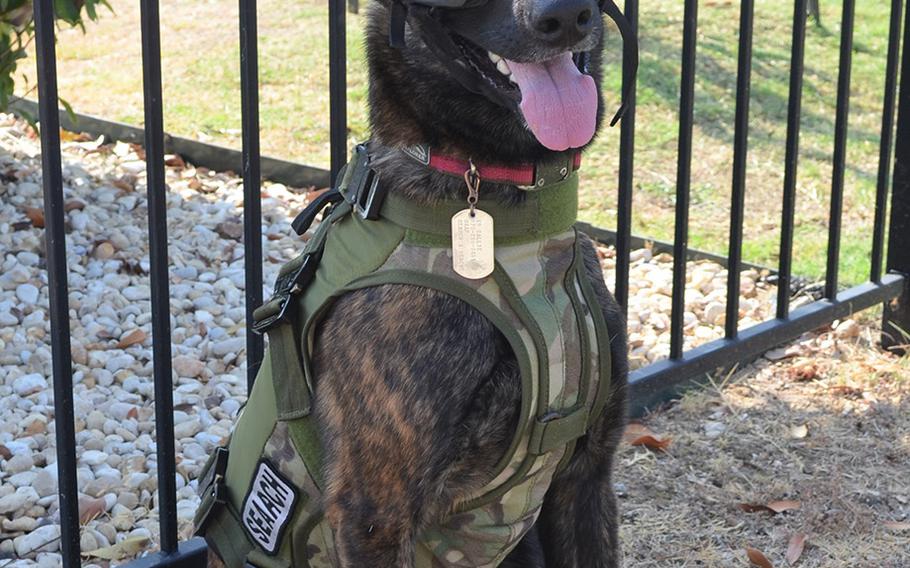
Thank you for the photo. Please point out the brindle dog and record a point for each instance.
(398, 454)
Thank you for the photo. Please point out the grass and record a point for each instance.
(682, 507)
(100, 73)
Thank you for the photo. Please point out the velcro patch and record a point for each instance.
(268, 507)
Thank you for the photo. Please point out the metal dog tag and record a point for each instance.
(472, 244)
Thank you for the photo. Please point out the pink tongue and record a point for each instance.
(558, 101)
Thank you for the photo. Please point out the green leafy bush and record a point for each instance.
(17, 31)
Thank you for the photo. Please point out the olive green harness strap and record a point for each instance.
(541, 214)
(277, 318)
(550, 430)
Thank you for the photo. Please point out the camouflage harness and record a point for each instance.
(261, 496)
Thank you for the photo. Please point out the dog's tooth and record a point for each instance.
(512, 80)
(494, 58)
(503, 67)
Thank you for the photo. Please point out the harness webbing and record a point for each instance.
(538, 297)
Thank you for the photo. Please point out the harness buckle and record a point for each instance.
(287, 285)
(214, 470)
(370, 196)
(363, 190)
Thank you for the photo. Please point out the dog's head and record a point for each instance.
(513, 79)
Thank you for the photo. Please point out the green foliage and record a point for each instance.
(17, 31)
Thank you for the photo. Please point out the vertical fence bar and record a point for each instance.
(840, 148)
(740, 153)
(626, 179)
(884, 157)
(57, 281)
(252, 200)
(896, 323)
(683, 177)
(338, 124)
(794, 110)
(158, 274)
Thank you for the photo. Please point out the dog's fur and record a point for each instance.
(418, 393)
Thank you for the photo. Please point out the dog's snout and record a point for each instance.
(562, 23)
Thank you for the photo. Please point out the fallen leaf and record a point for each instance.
(35, 215)
(127, 547)
(799, 431)
(795, 548)
(133, 412)
(897, 526)
(847, 391)
(90, 508)
(804, 372)
(134, 337)
(772, 507)
(5, 453)
(639, 435)
(67, 136)
(174, 161)
(781, 506)
(652, 443)
(758, 559)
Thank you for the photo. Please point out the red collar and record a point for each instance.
(527, 174)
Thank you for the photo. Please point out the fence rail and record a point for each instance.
(650, 385)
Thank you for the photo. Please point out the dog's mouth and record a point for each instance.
(556, 97)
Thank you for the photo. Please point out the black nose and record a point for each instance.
(562, 22)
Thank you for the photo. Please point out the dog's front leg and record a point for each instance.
(417, 399)
(370, 533)
(579, 520)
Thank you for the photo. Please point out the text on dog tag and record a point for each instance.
(472, 244)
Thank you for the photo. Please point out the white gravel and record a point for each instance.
(108, 259)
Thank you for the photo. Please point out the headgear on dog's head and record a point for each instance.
(439, 41)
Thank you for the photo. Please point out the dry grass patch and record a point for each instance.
(826, 429)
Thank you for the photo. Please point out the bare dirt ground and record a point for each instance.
(819, 430)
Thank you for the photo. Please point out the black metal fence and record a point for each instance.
(650, 384)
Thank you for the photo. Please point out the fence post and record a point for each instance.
(896, 323)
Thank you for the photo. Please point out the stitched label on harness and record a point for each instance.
(268, 507)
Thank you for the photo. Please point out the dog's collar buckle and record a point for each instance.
(555, 171)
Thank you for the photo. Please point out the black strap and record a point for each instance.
(305, 218)
(629, 55)
(440, 42)
(396, 24)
